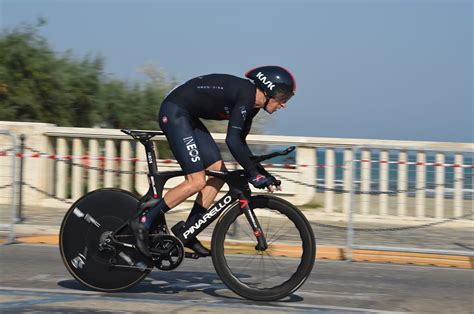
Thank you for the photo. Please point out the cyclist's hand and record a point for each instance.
(260, 181)
(273, 181)
(276, 183)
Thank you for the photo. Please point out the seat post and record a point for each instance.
(150, 156)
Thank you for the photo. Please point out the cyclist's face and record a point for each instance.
(275, 105)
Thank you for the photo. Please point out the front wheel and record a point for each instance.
(279, 270)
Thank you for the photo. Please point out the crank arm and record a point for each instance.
(132, 267)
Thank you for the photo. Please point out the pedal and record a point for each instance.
(141, 266)
(191, 255)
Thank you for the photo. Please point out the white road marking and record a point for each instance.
(239, 303)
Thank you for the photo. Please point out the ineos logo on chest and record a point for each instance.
(192, 148)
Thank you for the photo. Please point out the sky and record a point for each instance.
(371, 69)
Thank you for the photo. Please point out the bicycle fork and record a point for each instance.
(254, 223)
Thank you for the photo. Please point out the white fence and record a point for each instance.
(61, 164)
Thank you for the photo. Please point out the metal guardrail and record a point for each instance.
(364, 203)
(8, 172)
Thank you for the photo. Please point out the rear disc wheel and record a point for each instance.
(86, 225)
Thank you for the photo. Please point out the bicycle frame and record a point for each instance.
(238, 190)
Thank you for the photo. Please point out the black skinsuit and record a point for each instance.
(211, 97)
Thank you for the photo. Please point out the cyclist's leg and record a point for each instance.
(213, 185)
(203, 201)
(207, 195)
(212, 160)
(178, 127)
(193, 183)
(176, 123)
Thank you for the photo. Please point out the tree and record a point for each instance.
(40, 85)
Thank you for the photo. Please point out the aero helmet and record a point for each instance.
(275, 81)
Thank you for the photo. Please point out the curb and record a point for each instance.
(425, 259)
(325, 252)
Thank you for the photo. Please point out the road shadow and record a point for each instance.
(179, 282)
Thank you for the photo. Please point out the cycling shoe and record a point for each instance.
(141, 237)
(197, 247)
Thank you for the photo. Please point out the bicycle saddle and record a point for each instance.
(141, 135)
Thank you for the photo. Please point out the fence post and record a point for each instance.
(77, 188)
(9, 222)
(402, 183)
(458, 185)
(365, 185)
(110, 154)
(62, 168)
(420, 184)
(306, 156)
(93, 172)
(21, 179)
(329, 180)
(348, 159)
(439, 189)
(125, 165)
(384, 179)
(350, 211)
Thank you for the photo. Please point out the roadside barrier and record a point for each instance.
(362, 197)
(69, 158)
(8, 192)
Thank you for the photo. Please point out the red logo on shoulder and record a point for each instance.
(165, 119)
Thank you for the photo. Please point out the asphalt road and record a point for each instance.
(34, 279)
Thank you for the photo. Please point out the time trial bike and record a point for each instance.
(262, 247)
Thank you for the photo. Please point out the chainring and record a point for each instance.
(167, 252)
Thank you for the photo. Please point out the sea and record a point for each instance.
(467, 182)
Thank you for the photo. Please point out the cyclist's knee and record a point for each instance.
(217, 166)
(196, 181)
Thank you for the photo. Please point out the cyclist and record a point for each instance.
(213, 97)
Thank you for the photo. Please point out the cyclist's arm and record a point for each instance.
(245, 132)
(239, 126)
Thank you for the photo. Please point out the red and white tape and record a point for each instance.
(118, 158)
(415, 163)
(171, 161)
